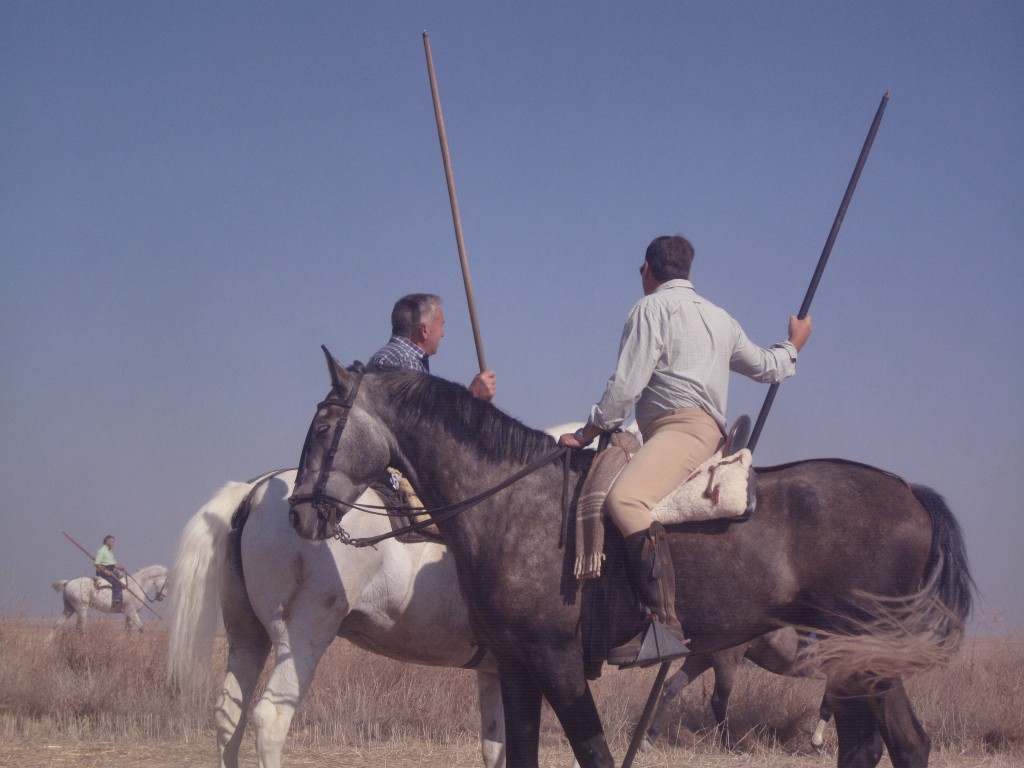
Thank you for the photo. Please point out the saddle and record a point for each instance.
(101, 583)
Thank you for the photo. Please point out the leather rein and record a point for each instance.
(325, 504)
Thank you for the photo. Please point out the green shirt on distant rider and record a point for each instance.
(106, 568)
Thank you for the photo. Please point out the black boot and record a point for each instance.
(650, 565)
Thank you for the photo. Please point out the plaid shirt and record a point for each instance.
(399, 352)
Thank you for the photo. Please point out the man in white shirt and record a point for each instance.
(676, 352)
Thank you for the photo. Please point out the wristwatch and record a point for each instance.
(578, 434)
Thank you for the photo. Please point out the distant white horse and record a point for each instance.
(277, 590)
(81, 594)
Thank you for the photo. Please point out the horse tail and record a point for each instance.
(194, 593)
(907, 634)
(59, 585)
(947, 560)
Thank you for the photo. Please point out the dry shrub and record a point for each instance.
(105, 684)
(98, 682)
(976, 704)
(357, 698)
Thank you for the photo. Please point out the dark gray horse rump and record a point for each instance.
(824, 531)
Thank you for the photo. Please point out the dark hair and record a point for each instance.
(670, 258)
(108, 537)
(412, 310)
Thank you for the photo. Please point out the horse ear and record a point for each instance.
(339, 376)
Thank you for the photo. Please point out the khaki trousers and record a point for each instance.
(674, 445)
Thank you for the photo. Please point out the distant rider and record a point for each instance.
(108, 569)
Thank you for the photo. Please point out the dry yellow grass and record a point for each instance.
(100, 698)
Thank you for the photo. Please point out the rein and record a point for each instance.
(439, 514)
(159, 593)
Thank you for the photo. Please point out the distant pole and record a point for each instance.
(109, 573)
(456, 219)
(823, 260)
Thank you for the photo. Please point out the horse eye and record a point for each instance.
(322, 429)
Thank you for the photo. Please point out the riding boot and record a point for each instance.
(650, 564)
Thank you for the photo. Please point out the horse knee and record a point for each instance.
(264, 714)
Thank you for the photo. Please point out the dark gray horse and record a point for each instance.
(825, 533)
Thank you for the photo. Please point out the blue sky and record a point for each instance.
(195, 196)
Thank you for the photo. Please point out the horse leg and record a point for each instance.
(132, 619)
(564, 685)
(296, 656)
(57, 625)
(824, 715)
(860, 743)
(492, 720)
(696, 664)
(725, 679)
(248, 647)
(520, 698)
(245, 660)
(903, 734)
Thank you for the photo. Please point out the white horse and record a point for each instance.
(277, 590)
(82, 593)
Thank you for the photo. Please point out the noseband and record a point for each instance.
(319, 499)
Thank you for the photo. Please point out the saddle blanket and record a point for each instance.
(720, 487)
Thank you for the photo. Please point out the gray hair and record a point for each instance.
(411, 310)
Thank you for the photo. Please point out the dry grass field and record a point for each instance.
(98, 698)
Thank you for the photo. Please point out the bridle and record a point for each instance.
(319, 499)
(160, 592)
(325, 504)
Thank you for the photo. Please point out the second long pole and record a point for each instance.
(453, 199)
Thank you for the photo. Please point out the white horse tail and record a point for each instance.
(59, 585)
(193, 615)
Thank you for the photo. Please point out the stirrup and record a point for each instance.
(659, 644)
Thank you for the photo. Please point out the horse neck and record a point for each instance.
(149, 575)
(431, 447)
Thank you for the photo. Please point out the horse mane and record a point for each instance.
(148, 571)
(433, 404)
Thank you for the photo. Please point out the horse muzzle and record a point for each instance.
(313, 517)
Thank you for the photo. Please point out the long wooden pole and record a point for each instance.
(645, 716)
(457, 220)
(110, 573)
(823, 259)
